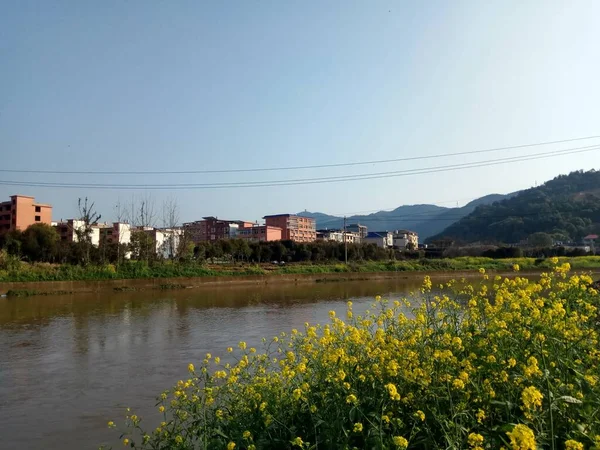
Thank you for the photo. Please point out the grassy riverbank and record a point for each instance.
(513, 365)
(24, 272)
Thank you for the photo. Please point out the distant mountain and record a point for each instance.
(426, 220)
(567, 208)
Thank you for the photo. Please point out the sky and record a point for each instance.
(191, 86)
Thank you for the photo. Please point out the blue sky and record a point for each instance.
(209, 85)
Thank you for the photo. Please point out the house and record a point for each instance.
(166, 240)
(117, 232)
(590, 240)
(338, 236)
(213, 229)
(21, 211)
(260, 233)
(69, 231)
(406, 238)
(358, 228)
(293, 227)
(383, 239)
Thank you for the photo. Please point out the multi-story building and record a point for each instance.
(293, 227)
(338, 236)
(383, 239)
(21, 211)
(213, 229)
(260, 233)
(166, 240)
(406, 238)
(117, 232)
(361, 230)
(68, 231)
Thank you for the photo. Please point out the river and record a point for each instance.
(71, 363)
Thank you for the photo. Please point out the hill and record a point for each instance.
(567, 208)
(425, 219)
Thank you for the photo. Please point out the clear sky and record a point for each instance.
(189, 85)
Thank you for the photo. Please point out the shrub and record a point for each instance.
(511, 363)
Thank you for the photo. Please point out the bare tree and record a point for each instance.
(89, 217)
(170, 221)
(147, 213)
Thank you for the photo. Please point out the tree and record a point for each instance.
(170, 220)
(89, 216)
(39, 242)
(540, 240)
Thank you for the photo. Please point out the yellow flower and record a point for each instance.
(191, 367)
(522, 438)
(421, 415)
(358, 427)
(475, 440)
(516, 267)
(573, 445)
(458, 384)
(247, 435)
(111, 424)
(231, 446)
(400, 442)
(480, 416)
(242, 345)
(297, 394)
(229, 349)
(217, 360)
(298, 442)
(481, 270)
(351, 399)
(179, 440)
(125, 441)
(393, 391)
(531, 397)
(252, 447)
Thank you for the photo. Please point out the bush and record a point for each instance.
(511, 364)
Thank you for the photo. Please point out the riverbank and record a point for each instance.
(46, 279)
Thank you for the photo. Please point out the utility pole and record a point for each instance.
(345, 243)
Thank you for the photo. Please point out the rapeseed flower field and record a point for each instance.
(500, 363)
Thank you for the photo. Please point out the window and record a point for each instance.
(38, 218)
(38, 209)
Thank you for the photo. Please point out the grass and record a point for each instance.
(25, 272)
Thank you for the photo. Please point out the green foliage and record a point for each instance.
(566, 208)
(509, 364)
(39, 242)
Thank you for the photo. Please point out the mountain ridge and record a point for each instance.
(425, 219)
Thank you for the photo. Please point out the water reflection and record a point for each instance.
(71, 363)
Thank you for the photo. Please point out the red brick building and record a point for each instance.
(213, 229)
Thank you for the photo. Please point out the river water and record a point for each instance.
(69, 364)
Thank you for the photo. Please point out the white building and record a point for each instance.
(166, 240)
(68, 231)
(383, 239)
(404, 238)
(338, 236)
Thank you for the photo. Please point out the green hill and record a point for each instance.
(567, 208)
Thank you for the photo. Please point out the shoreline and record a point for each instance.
(30, 288)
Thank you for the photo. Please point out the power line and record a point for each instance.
(305, 181)
(267, 169)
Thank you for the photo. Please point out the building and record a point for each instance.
(117, 232)
(383, 239)
(68, 229)
(406, 238)
(338, 236)
(293, 227)
(21, 211)
(166, 240)
(213, 229)
(260, 233)
(361, 230)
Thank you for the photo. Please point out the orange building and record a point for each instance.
(21, 211)
(260, 233)
(294, 228)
